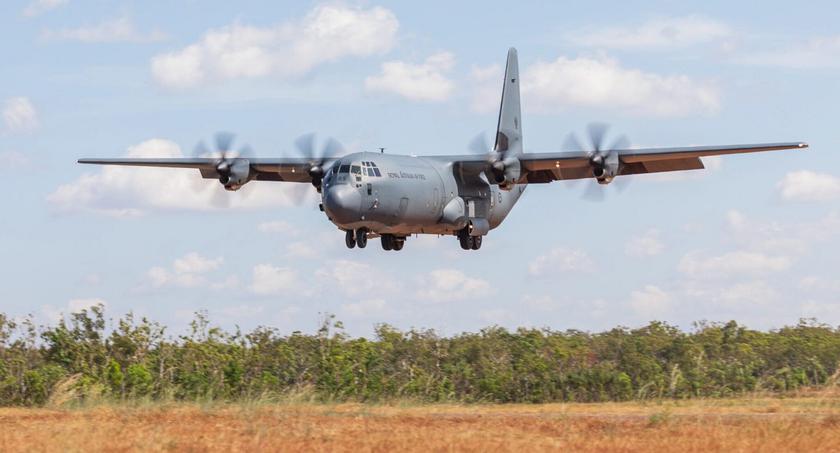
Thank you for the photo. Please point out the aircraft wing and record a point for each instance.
(265, 169)
(547, 167)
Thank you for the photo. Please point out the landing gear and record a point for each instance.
(361, 237)
(350, 239)
(469, 242)
(391, 242)
(398, 243)
(476, 242)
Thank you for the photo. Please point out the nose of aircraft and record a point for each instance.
(343, 203)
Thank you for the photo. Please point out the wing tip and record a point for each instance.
(802, 145)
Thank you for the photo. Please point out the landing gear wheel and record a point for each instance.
(350, 239)
(476, 242)
(467, 241)
(387, 242)
(398, 243)
(361, 237)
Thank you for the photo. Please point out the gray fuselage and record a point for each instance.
(404, 195)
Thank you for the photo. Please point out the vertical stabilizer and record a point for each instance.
(509, 129)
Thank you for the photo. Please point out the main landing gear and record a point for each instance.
(360, 237)
(391, 242)
(469, 242)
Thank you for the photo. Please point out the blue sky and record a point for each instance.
(753, 238)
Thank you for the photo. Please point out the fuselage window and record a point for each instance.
(344, 169)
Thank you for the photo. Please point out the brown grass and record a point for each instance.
(810, 423)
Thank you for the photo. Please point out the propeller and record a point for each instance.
(604, 160)
(498, 161)
(317, 156)
(231, 165)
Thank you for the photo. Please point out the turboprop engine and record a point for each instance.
(234, 173)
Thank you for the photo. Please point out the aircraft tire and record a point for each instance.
(350, 239)
(387, 242)
(398, 244)
(361, 237)
(476, 242)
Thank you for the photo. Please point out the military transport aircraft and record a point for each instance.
(392, 197)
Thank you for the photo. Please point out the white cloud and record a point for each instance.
(130, 191)
(648, 244)
(281, 227)
(603, 83)
(116, 30)
(188, 271)
(20, 115)
(271, 280)
(13, 160)
(355, 279)
(193, 263)
(659, 33)
(38, 7)
(55, 314)
(325, 34)
(561, 260)
(806, 185)
(417, 82)
(486, 84)
(364, 308)
(794, 238)
(651, 301)
(740, 262)
(447, 285)
(817, 53)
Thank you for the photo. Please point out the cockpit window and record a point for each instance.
(344, 169)
(376, 170)
(356, 170)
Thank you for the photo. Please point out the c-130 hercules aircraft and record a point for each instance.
(392, 197)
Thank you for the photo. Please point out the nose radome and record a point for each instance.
(343, 203)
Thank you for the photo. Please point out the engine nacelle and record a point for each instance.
(506, 172)
(235, 173)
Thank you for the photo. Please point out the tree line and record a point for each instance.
(136, 359)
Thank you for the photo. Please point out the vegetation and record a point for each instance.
(84, 358)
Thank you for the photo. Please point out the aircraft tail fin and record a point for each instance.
(509, 129)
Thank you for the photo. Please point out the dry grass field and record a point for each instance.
(807, 423)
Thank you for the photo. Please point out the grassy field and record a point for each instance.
(808, 423)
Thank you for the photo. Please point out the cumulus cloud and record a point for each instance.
(655, 34)
(116, 30)
(19, 115)
(794, 238)
(13, 160)
(603, 83)
(807, 185)
(130, 191)
(269, 280)
(648, 244)
(188, 271)
(325, 34)
(38, 7)
(740, 262)
(355, 279)
(447, 285)
(561, 259)
(417, 82)
(651, 301)
(817, 53)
